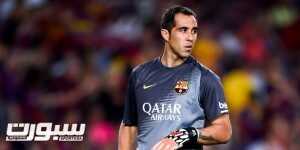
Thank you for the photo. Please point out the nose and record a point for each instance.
(190, 37)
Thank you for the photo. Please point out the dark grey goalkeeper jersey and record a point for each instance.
(161, 99)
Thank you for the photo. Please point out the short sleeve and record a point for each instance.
(212, 96)
(130, 108)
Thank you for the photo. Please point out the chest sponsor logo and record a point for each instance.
(162, 111)
(181, 86)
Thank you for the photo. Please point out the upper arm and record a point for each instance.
(215, 108)
(212, 96)
(130, 108)
(224, 122)
(128, 128)
(127, 137)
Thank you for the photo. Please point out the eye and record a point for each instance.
(183, 29)
(194, 31)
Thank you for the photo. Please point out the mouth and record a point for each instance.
(189, 47)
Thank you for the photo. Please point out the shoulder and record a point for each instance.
(141, 71)
(206, 73)
(141, 68)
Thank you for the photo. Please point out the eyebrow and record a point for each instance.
(184, 27)
(195, 28)
(179, 28)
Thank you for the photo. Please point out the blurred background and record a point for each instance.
(68, 61)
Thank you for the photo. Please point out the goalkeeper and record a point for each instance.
(174, 102)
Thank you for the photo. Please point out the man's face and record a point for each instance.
(183, 35)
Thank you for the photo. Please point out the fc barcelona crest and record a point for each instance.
(181, 86)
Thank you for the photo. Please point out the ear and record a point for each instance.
(165, 34)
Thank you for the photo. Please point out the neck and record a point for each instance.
(171, 59)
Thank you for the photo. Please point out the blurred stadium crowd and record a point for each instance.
(67, 61)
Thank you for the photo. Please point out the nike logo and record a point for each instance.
(145, 87)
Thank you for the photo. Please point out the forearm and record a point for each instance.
(216, 133)
(212, 135)
(127, 137)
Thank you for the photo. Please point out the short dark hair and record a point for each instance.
(167, 19)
